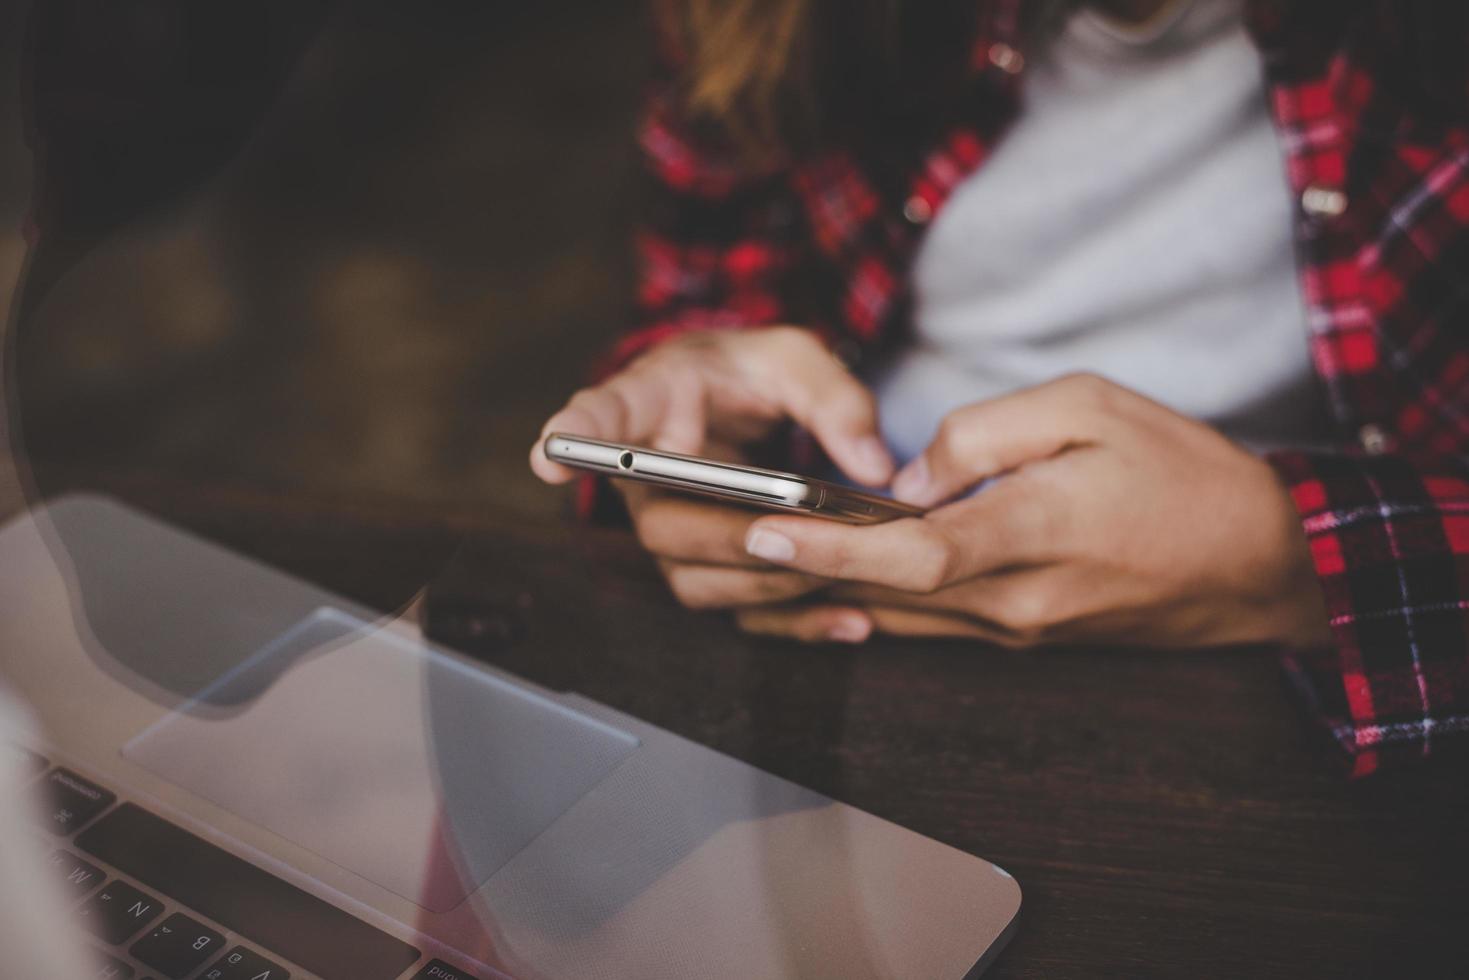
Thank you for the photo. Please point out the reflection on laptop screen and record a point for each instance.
(348, 739)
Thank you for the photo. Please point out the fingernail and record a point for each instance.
(769, 545)
(912, 482)
(850, 629)
(874, 458)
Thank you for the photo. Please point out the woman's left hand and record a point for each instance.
(1114, 520)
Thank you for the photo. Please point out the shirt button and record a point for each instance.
(917, 210)
(1007, 59)
(1374, 440)
(1320, 201)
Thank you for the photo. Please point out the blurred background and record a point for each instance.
(367, 267)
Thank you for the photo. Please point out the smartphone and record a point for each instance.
(727, 481)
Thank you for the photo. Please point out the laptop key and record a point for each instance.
(177, 946)
(118, 912)
(242, 964)
(439, 970)
(245, 898)
(70, 801)
(76, 874)
(110, 968)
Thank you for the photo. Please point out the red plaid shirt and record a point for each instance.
(1383, 236)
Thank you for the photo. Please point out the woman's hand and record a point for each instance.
(730, 387)
(700, 548)
(708, 394)
(1114, 520)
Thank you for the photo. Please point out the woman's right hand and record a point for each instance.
(702, 394)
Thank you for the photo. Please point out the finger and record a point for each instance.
(1011, 525)
(721, 587)
(1021, 608)
(811, 624)
(547, 470)
(837, 623)
(821, 395)
(1004, 599)
(593, 413)
(685, 529)
(682, 429)
(993, 437)
(901, 621)
(570, 420)
(630, 407)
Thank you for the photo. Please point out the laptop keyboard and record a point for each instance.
(160, 902)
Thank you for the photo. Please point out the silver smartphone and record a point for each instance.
(727, 481)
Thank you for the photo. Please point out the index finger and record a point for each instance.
(627, 408)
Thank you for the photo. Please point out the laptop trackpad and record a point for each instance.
(418, 773)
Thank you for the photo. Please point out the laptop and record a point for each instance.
(249, 778)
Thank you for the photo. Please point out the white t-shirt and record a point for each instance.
(1135, 222)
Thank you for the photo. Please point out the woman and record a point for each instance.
(1053, 243)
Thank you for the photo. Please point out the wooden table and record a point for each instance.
(1167, 814)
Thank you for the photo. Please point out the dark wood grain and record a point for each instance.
(1167, 814)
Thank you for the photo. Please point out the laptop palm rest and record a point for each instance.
(340, 737)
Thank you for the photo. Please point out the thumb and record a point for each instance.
(988, 438)
(815, 390)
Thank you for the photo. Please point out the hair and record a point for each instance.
(783, 76)
(744, 55)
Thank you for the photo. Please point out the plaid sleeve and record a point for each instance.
(1390, 541)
